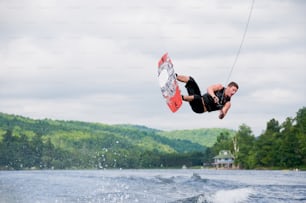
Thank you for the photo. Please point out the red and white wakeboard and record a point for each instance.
(168, 83)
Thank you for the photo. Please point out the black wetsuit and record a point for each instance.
(197, 104)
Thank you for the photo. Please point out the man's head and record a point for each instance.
(231, 89)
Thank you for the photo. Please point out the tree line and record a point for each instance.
(23, 152)
(46, 144)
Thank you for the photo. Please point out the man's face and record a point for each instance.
(231, 91)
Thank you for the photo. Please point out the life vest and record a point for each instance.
(210, 103)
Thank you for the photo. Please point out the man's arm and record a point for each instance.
(212, 89)
(224, 110)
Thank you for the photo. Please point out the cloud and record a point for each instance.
(97, 60)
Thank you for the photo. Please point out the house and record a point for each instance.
(225, 159)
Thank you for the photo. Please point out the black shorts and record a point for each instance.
(193, 89)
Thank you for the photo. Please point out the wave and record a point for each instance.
(230, 196)
(239, 195)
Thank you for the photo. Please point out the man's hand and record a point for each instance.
(216, 99)
(221, 115)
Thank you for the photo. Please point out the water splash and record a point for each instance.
(232, 196)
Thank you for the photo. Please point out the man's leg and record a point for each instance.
(185, 79)
(194, 94)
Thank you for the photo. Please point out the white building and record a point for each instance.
(225, 159)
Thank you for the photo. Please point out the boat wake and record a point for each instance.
(238, 195)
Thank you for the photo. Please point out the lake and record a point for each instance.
(180, 185)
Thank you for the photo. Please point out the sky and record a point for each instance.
(96, 60)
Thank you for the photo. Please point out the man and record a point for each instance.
(216, 98)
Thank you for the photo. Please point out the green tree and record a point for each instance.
(245, 142)
(7, 149)
(300, 128)
(23, 152)
(267, 145)
(208, 157)
(290, 156)
(36, 146)
(224, 142)
(47, 154)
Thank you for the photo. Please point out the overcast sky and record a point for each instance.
(97, 60)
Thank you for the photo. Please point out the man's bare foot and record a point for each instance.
(188, 98)
(182, 78)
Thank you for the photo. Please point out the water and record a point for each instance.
(224, 186)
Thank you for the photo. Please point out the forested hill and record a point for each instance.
(26, 142)
(206, 136)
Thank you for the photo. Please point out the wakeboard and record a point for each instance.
(168, 83)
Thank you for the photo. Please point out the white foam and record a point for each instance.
(232, 196)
